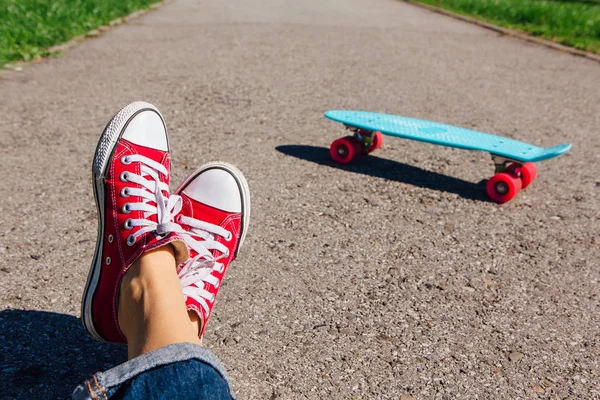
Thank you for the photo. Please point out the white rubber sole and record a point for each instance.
(242, 185)
(104, 151)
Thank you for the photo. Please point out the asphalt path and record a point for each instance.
(393, 276)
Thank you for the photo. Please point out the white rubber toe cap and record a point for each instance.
(216, 188)
(147, 129)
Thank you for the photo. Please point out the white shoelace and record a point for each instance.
(152, 191)
(197, 270)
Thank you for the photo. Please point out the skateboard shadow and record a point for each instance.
(45, 355)
(392, 170)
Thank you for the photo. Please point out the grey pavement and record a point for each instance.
(393, 276)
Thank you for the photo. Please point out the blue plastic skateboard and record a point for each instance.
(514, 160)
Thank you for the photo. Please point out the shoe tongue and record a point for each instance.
(158, 156)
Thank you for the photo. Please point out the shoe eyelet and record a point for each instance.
(128, 225)
(125, 160)
(221, 268)
(212, 298)
(108, 260)
(125, 192)
(124, 176)
(229, 237)
(216, 285)
(110, 238)
(126, 209)
(130, 240)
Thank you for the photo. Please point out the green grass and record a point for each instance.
(573, 23)
(29, 27)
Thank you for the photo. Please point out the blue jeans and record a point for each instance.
(176, 371)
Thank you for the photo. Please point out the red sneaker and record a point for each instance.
(215, 212)
(135, 213)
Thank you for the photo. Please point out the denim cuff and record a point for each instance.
(103, 384)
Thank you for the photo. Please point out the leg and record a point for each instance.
(166, 359)
(152, 311)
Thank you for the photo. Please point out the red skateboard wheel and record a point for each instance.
(528, 174)
(345, 149)
(377, 141)
(503, 187)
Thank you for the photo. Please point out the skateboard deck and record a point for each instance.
(514, 160)
(446, 135)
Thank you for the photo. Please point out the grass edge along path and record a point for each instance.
(573, 23)
(29, 28)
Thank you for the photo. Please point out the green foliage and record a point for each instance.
(574, 23)
(29, 27)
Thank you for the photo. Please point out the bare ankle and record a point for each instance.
(142, 282)
(151, 309)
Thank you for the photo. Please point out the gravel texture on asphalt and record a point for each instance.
(391, 277)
